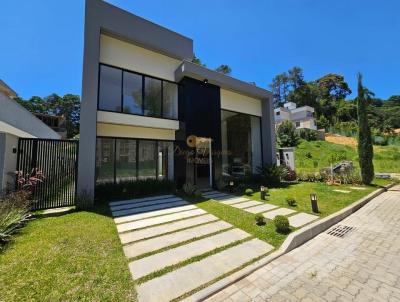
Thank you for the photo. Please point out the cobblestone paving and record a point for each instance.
(364, 265)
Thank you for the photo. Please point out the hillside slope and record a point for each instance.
(313, 156)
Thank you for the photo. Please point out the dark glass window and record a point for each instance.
(105, 160)
(241, 143)
(110, 88)
(147, 159)
(152, 98)
(170, 100)
(125, 157)
(132, 96)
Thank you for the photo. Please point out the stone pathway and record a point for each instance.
(363, 265)
(269, 211)
(161, 236)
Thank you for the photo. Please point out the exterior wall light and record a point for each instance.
(314, 203)
(205, 81)
(263, 192)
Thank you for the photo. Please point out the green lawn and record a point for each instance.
(74, 257)
(313, 156)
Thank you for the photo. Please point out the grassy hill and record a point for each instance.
(313, 156)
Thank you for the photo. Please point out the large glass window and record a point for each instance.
(241, 143)
(105, 160)
(110, 88)
(132, 96)
(170, 100)
(147, 159)
(120, 159)
(152, 95)
(125, 159)
(129, 92)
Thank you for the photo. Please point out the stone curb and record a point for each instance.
(293, 241)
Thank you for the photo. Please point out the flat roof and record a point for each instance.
(198, 72)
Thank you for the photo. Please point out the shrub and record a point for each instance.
(14, 213)
(260, 219)
(189, 189)
(307, 134)
(197, 193)
(221, 184)
(281, 224)
(286, 135)
(133, 189)
(308, 155)
(272, 174)
(290, 175)
(291, 202)
(249, 192)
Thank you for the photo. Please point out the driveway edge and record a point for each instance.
(294, 240)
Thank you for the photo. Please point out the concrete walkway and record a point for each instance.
(355, 260)
(174, 247)
(269, 211)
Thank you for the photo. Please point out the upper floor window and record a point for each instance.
(130, 92)
(278, 113)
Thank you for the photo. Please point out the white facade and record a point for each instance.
(302, 117)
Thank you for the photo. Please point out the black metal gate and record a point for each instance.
(57, 159)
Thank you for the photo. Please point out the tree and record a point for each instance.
(295, 77)
(333, 87)
(286, 135)
(225, 69)
(280, 89)
(68, 106)
(365, 149)
(196, 60)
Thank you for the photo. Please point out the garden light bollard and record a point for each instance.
(231, 186)
(314, 202)
(263, 193)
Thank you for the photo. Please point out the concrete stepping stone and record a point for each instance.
(153, 263)
(234, 200)
(150, 208)
(153, 213)
(191, 276)
(301, 219)
(133, 225)
(216, 195)
(153, 244)
(261, 208)
(165, 228)
(116, 203)
(139, 204)
(342, 191)
(247, 204)
(281, 211)
(357, 188)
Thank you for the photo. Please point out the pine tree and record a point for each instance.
(365, 150)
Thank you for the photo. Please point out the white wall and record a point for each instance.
(240, 103)
(129, 56)
(8, 159)
(15, 115)
(134, 132)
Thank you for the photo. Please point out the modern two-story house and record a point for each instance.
(301, 117)
(149, 112)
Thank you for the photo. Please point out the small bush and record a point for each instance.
(308, 155)
(84, 201)
(291, 202)
(197, 193)
(290, 175)
(272, 174)
(14, 213)
(249, 192)
(307, 134)
(221, 184)
(281, 224)
(260, 219)
(189, 189)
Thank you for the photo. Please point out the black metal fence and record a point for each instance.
(58, 161)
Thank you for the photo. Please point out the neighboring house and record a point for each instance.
(57, 123)
(15, 122)
(149, 112)
(302, 117)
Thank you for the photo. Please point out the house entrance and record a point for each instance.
(203, 163)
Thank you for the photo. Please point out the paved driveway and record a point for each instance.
(360, 263)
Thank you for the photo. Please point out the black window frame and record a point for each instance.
(123, 70)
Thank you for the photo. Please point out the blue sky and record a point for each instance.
(42, 41)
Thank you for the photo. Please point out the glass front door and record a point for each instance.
(203, 162)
